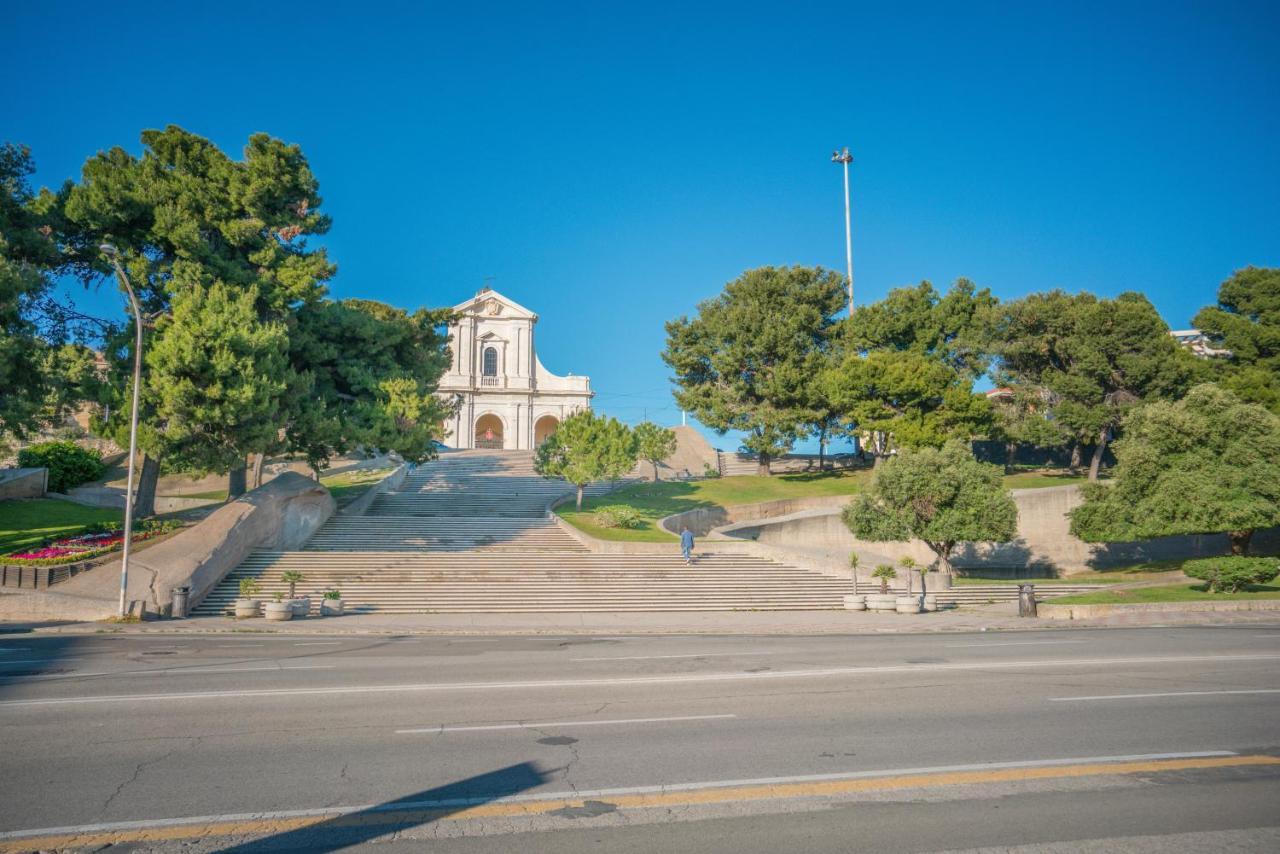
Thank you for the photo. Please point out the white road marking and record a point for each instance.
(320, 643)
(1011, 643)
(109, 826)
(196, 670)
(1164, 694)
(438, 729)
(28, 649)
(472, 641)
(40, 661)
(669, 679)
(681, 656)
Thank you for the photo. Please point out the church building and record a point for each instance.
(507, 398)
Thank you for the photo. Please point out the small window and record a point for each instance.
(490, 368)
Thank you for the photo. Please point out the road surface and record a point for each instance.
(1081, 740)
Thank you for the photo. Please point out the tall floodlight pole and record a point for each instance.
(111, 252)
(845, 158)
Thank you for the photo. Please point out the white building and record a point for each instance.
(1199, 344)
(507, 399)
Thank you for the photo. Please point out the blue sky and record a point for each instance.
(610, 165)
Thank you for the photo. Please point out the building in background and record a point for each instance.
(1199, 344)
(506, 398)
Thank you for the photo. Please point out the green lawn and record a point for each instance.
(349, 485)
(1038, 479)
(655, 500)
(27, 524)
(1088, 579)
(1167, 593)
(214, 495)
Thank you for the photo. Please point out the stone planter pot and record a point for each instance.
(248, 608)
(881, 601)
(301, 606)
(907, 604)
(331, 607)
(855, 602)
(930, 602)
(278, 611)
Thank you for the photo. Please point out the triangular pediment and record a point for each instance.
(490, 303)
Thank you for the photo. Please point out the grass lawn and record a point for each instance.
(349, 485)
(655, 500)
(1038, 479)
(215, 495)
(1194, 592)
(962, 580)
(27, 524)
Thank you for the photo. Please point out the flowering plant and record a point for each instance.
(94, 542)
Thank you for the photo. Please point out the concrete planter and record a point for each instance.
(331, 607)
(856, 602)
(881, 601)
(278, 611)
(248, 608)
(907, 604)
(930, 602)
(301, 606)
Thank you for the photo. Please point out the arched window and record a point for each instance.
(490, 368)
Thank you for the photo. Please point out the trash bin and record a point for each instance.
(179, 611)
(1026, 600)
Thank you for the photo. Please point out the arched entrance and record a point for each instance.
(544, 427)
(489, 432)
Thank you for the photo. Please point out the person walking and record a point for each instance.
(686, 545)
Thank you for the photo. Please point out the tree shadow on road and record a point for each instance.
(416, 810)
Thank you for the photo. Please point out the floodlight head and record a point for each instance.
(109, 250)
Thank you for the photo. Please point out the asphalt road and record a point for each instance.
(1107, 740)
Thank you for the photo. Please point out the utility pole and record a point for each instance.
(845, 158)
(112, 253)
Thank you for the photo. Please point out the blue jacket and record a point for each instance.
(686, 540)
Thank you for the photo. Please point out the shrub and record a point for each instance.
(1232, 574)
(618, 516)
(333, 593)
(709, 470)
(68, 464)
(249, 588)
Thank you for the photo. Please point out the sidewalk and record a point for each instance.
(996, 618)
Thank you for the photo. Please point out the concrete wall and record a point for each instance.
(387, 484)
(23, 483)
(282, 515)
(1043, 546)
(703, 520)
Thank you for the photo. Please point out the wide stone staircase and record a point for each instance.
(469, 532)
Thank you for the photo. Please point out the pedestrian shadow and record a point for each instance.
(416, 810)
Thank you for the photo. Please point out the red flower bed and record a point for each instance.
(81, 546)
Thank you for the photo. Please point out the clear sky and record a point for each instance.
(611, 165)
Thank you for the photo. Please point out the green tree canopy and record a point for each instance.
(941, 496)
(654, 444)
(41, 376)
(1246, 321)
(747, 360)
(1092, 359)
(586, 448)
(1208, 463)
(906, 375)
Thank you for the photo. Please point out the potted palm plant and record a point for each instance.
(855, 601)
(908, 604)
(278, 610)
(248, 605)
(884, 600)
(331, 604)
(301, 604)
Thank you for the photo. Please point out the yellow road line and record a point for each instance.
(501, 809)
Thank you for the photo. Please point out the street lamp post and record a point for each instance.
(112, 253)
(845, 158)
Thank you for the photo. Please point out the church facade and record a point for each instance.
(506, 398)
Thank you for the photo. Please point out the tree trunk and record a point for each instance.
(1010, 454)
(236, 482)
(255, 470)
(1240, 541)
(943, 551)
(1095, 464)
(655, 470)
(144, 500)
(1076, 453)
(579, 496)
(762, 468)
(822, 449)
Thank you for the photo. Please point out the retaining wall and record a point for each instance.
(23, 483)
